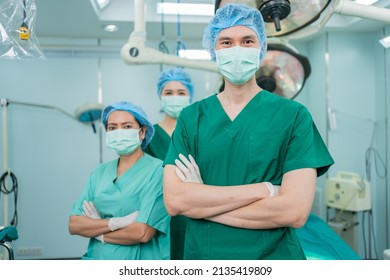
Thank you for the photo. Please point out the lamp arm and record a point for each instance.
(135, 51)
(350, 8)
(342, 7)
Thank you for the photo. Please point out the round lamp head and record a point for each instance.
(89, 112)
(283, 71)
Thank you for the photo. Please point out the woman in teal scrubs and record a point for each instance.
(241, 143)
(175, 89)
(121, 208)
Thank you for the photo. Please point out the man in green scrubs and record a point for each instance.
(244, 141)
(175, 90)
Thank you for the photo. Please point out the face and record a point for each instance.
(235, 36)
(124, 120)
(174, 88)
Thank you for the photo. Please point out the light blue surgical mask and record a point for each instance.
(238, 64)
(123, 141)
(172, 105)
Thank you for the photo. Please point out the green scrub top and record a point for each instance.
(270, 137)
(139, 188)
(159, 145)
(158, 148)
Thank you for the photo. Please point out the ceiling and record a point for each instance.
(77, 19)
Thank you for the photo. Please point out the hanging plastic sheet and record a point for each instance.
(17, 30)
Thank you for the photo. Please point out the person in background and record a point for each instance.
(121, 208)
(230, 151)
(175, 89)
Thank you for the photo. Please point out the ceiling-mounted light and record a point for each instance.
(301, 14)
(185, 9)
(283, 71)
(275, 11)
(385, 42)
(110, 28)
(283, 17)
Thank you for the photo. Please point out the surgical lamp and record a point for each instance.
(283, 71)
(299, 17)
(87, 113)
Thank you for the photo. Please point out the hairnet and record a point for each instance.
(138, 114)
(231, 15)
(177, 74)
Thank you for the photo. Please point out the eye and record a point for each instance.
(226, 43)
(128, 126)
(248, 42)
(168, 92)
(110, 128)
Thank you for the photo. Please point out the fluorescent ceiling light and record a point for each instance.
(185, 9)
(366, 2)
(385, 42)
(195, 54)
(110, 28)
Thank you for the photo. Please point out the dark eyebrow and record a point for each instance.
(129, 122)
(244, 38)
(250, 37)
(224, 38)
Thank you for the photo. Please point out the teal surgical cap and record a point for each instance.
(138, 114)
(233, 15)
(177, 74)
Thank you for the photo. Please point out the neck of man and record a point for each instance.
(239, 94)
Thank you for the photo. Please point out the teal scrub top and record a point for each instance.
(158, 148)
(139, 188)
(270, 137)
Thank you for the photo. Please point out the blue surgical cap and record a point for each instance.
(231, 15)
(138, 114)
(177, 74)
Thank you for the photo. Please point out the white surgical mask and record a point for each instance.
(123, 141)
(172, 105)
(238, 64)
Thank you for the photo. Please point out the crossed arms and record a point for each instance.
(244, 206)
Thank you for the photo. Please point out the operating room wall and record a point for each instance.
(348, 79)
(378, 158)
